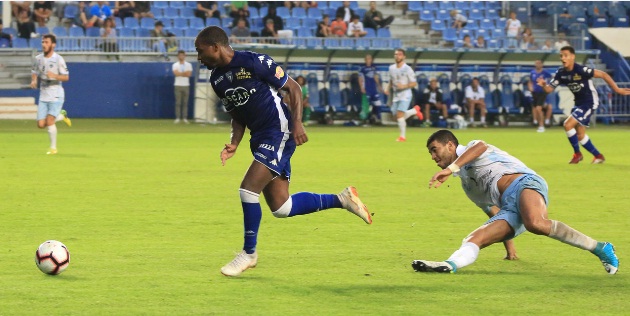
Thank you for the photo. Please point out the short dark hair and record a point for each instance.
(569, 49)
(400, 50)
(158, 23)
(213, 35)
(475, 78)
(52, 37)
(181, 51)
(442, 136)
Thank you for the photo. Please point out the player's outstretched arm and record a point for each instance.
(469, 155)
(543, 83)
(611, 82)
(295, 106)
(238, 130)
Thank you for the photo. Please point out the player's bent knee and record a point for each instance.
(536, 227)
(284, 210)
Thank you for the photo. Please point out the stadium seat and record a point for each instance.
(262, 12)
(20, 43)
(10, 30)
(177, 32)
(142, 32)
(370, 32)
(426, 15)
(334, 5)
(493, 43)
(507, 95)
(314, 42)
(93, 32)
(175, 4)
(348, 42)
(486, 34)
(437, 25)
(313, 91)
(363, 43)
(76, 32)
(492, 14)
(354, 5)
(486, 24)
(446, 5)
(464, 32)
(380, 43)
(214, 21)
(147, 23)
(131, 22)
(334, 93)
(298, 12)
(332, 42)
(170, 13)
(5, 43)
(190, 32)
(462, 5)
(187, 13)
(600, 22)
(449, 35)
(59, 31)
(253, 12)
(444, 82)
(384, 33)
(621, 22)
(196, 23)
(159, 4)
(423, 83)
(616, 10)
(168, 23)
(284, 12)
(477, 5)
(42, 30)
(304, 32)
(484, 82)
(118, 22)
(70, 11)
(415, 6)
(360, 12)
(181, 23)
(458, 43)
(472, 25)
(193, 4)
(475, 14)
(292, 24)
(314, 13)
(443, 15)
(555, 8)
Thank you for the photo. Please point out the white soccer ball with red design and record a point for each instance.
(52, 257)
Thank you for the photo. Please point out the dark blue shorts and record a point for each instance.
(582, 114)
(374, 99)
(274, 150)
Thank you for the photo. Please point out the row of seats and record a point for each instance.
(417, 6)
(428, 15)
(192, 4)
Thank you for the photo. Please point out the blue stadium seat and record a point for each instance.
(298, 12)
(168, 23)
(431, 5)
(177, 32)
(292, 24)
(187, 13)
(486, 24)
(384, 33)
(142, 32)
(600, 22)
(175, 4)
(191, 32)
(334, 93)
(485, 33)
(304, 32)
(70, 11)
(380, 43)
(437, 25)
(254, 13)
(348, 42)
(443, 14)
(5, 43)
(426, 15)
(59, 31)
(284, 12)
(475, 14)
(498, 33)
(196, 23)
(477, 5)
(193, 4)
(311, 23)
(415, 6)
(20, 43)
(10, 30)
(42, 30)
(616, 10)
(314, 13)
(147, 23)
(620, 22)
(370, 32)
(262, 12)
(464, 32)
(449, 35)
(334, 5)
(187, 45)
(458, 43)
(354, 5)
(363, 42)
(314, 42)
(159, 4)
(332, 42)
(555, 8)
(118, 22)
(213, 21)
(131, 22)
(360, 12)
(446, 5)
(170, 12)
(313, 91)
(507, 95)
(157, 13)
(93, 32)
(181, 23)
(76, 32)
(472, 25)
(423, 83)
(492, 14)
(444, 82)
(462, 5)
(491, 107)
(126, 32)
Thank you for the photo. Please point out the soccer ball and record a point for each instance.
(52, 257)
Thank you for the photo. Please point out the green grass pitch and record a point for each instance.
(150, 216)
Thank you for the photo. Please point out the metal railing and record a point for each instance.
(613, 105)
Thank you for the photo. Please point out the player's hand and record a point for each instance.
(511, 256)
(623, 91)
(33, 84)
(299, 134)
(540, 81)
(51, 75)
(227, 152)
(439, 178)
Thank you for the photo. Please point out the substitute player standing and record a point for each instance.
(51, 69)
(578, 79)
(247, 84)
(370, 84)
(491, 177)
(541, 109)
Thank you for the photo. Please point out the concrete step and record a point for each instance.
(11, 86)
(22, 76)
(5, 74)
(9, 80)
(19, 108)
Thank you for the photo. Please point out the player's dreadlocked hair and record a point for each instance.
(212, 35)
(442, 136)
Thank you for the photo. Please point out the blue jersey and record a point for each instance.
(534, 78)
(368, 74)
(579, 82)
(248, 88)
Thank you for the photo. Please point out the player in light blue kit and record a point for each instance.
(51, 69)
(578, 79)
(491, 177)
(248, 85)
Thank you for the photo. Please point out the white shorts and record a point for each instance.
(45, 108)
(401, 106)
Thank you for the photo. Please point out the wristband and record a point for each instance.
(453, 168)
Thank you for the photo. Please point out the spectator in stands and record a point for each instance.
(6, 36)
(527, 39)
(240, 32)
(432, 98)
(374, 18)
(19, 6)
(355, 28)
(480, 42)
(269, 31)
(237, 6)
(459, 20)
(548, 45)
(475, 98)
(99, 12)
(108, 34)
(25, 26)
(142, 9)
(278, 23)
(345, 12)
(42, 10)
(207, 9)
(306, 111)
(561, 41)
(338, 27)
(124, 9)
(467, 43)
(182, 71)
(594, 11)
(163, 42)
(540, 104)
(241, 14)
(323, 28)
(513, 29)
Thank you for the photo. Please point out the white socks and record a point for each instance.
(409, 113)
(564, 233)
(465, 255)
(52, 134)
(402, 125)
(483, 119)
(59, 117)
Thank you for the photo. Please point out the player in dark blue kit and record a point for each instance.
(540, 103)
(578, 79)
(248, 85)
(370, 84)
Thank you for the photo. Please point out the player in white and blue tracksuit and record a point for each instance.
(493, 178)
(248, 85)
(578, 79)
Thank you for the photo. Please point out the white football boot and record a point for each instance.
(242, 262)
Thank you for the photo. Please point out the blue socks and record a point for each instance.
(252, 214)
(588, 145)
(306, 203)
